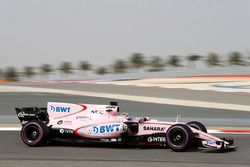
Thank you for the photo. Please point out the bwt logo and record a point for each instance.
(210, 142)
(60, 109)
(106, 128)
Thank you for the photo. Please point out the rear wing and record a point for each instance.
(32, 113)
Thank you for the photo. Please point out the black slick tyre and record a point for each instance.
(34, 133)
(179, 137)
(198, 126)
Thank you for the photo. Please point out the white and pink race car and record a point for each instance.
(92, 123)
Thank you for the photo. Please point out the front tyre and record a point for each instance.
(34, 133)
(179, 137)
(198, 126)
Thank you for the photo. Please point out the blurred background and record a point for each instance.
(60, 39)
(157, 58)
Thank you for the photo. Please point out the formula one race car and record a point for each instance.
(91, 123)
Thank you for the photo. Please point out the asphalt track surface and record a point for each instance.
(14, 153)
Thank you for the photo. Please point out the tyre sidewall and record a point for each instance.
(188, 137)
(198, 126)
(43, 132)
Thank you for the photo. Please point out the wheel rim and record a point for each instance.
(32, 134)
(177, 137)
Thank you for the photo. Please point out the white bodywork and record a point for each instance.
(103, 121)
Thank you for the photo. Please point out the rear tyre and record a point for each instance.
(34, 133)
(198, 126)
(179, 137)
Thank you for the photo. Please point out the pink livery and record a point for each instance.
(94, 123)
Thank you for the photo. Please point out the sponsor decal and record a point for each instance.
(210, 143)
(156, 139)
(66, 131)
(105, 129)
(60, 109)
(23, 114)
(60, 122)
(67, 122)
(104, 140)
(82, 118)
(113, 140)
(97, 112)
(64, 122)
(153, 128)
